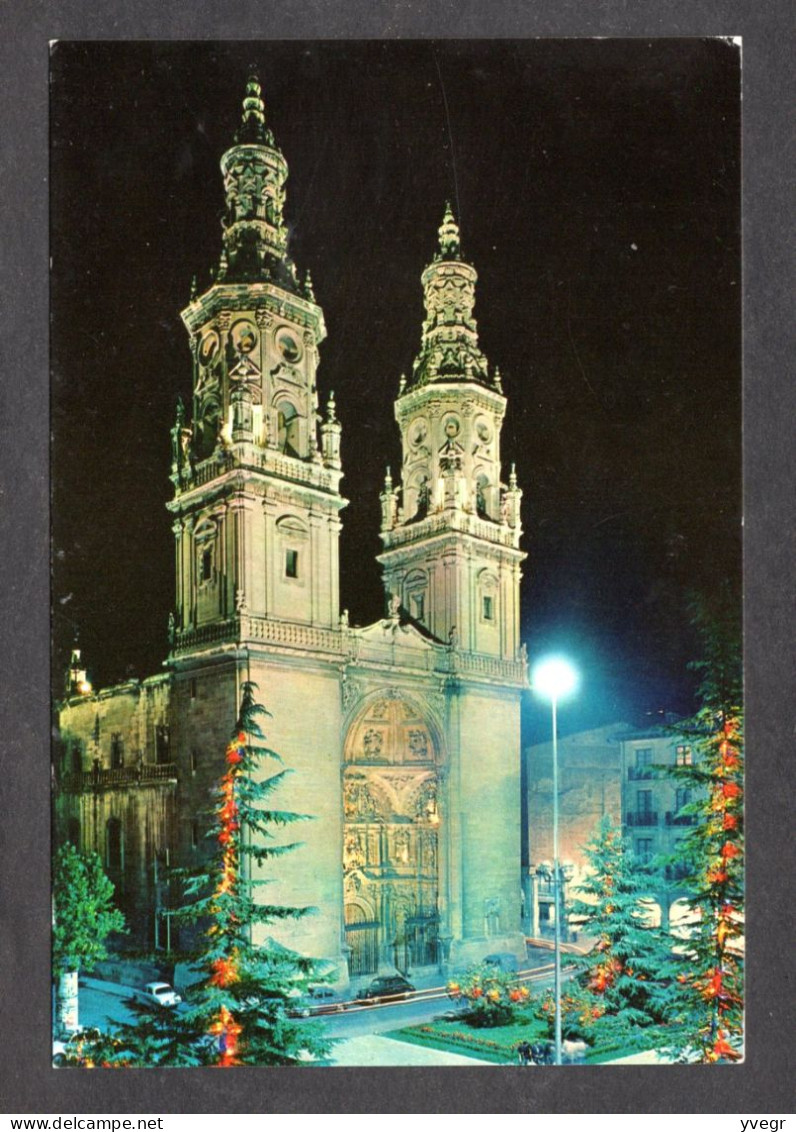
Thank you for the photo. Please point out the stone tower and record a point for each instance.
(256, 522)
(451, 565)
(257, 502)
(451, 534)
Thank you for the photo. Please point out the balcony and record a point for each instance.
(677, 872)
(108, 778)
(674, 818)
(644, 819)
(640, 773)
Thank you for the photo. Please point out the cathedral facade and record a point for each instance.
(403, 737)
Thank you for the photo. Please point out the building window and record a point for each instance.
(643, 849)
(291, 563)
(481, 489)
(162, 744)
(206, 565)
(680, 868)
(643, 757)
(418, 606)
(114, 844)
(682, 797)
(488, 608)
(117, 751)
(644, 801)
(684, 756)
(288, 430)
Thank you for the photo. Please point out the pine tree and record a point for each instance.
(84, 916)
(622, 977)
(709, 1006)
(238, 1012)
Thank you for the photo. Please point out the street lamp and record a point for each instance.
(554, 678)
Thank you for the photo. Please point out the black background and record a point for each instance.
(763, 1084)
(597, 185)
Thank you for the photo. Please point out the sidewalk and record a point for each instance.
(373, 1049)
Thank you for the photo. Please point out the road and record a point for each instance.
(426, 1004)
(101, 1008)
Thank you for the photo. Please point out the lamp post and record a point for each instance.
(553, 679)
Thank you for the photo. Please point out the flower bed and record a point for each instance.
(498, 1044)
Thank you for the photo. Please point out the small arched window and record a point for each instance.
(209, 428)
(416, 595)
(482, 497)
(288, 429)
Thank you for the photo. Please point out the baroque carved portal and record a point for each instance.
(391, 835)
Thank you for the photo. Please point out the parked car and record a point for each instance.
(385, 987)
(163, 994)
(321, 999)
(68, 1049)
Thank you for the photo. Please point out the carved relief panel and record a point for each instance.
(390, 731)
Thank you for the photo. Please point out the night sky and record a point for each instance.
(596, 183)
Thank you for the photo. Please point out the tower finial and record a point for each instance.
(449, 243)
(252, 126)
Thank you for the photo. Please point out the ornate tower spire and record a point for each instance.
(449, 244)
(270, 531)
(252, 128)
(449, 344)
(451, 549)
(255, 172)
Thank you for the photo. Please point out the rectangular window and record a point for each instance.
(117, 751)
(114, 844)
(684, 757)
(643, 850)
(644, 801)
(489, 608)
(682, 797)
(291, 563)
(162, 744)
(206, 570)
(644, 756)
(418, 606)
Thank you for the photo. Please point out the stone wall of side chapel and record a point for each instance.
(484, 798)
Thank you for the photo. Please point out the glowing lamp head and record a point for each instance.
(84, 688)
(554, 678)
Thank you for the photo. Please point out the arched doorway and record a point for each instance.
(362, 939)
(391, 835)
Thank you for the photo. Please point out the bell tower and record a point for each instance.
(451, 529)
(256, 489)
